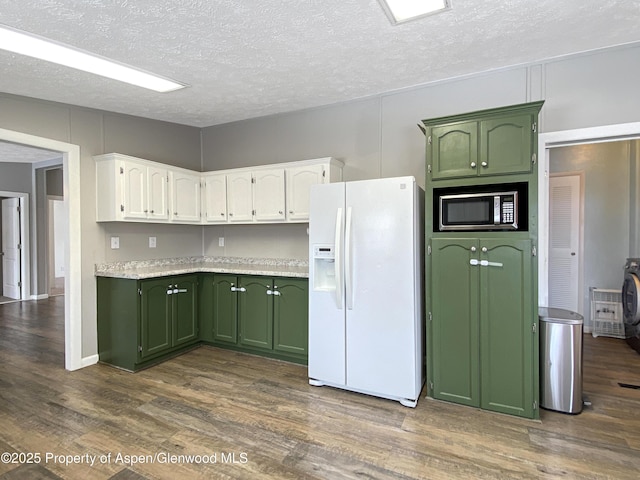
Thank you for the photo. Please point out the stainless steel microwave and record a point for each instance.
(479, 211)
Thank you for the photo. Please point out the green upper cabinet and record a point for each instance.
(290, 315)
(454, 150)
(506, 145)
(491, 142)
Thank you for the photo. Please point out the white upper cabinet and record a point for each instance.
(157, 195)
(299, 181)
(239, 198)
(185, 196)
(214, 198)
(268, 195)
(130, 189)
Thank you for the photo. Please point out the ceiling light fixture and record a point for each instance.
(24, 43)
(400, 11)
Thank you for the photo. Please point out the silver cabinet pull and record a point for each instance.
(484, 164)
(473, 249)
(473, 164)
(484, 250)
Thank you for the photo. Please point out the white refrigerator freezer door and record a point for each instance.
(381, 327)
(326, 307)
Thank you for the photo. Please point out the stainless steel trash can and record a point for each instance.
(560, 360)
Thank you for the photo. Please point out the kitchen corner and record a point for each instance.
(152, 310)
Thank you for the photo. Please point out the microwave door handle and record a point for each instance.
(496, 210)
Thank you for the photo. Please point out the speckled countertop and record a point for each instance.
(140, 269)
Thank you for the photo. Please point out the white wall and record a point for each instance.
(378, 136)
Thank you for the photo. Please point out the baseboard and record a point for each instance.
(40, 297)
(90, 360)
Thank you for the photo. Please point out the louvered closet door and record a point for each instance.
(564, 242)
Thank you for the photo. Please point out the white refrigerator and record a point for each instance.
(366, 287)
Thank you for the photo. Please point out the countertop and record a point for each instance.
(141, 269)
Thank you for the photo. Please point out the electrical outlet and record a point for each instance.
(115, 243)
(152, 242)
(221, 241)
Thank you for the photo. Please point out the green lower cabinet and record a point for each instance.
(142, 322)
(483, 310)
(261, 315)
(290, 316)
(455, 332)
(255, 312)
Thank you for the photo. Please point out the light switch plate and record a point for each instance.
(152, 242)
(221, 241)
(115, 243)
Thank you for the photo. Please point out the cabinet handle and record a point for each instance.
(484, 164)
(273, 292)
(223, 214)
(280, 212)
(291, 212)
(238, 289)
(473, 164)
(146, 211)
(484, 250)
(231, 214)
(151, 211)
(179, 290)
(473, 249)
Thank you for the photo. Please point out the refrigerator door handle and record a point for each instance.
(348, 280)
(337, 265)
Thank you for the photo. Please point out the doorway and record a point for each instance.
(14, 235)
(607, 201)
(57, 226)
(73, 247)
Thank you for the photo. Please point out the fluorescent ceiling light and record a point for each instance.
(400, 11)
(38, 47)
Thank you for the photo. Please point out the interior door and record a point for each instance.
(11, 259)
(564, 242)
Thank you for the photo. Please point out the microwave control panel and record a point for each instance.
(508, 206)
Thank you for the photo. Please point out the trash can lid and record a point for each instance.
(559, 315)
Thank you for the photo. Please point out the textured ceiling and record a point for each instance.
(247, 58)
(18, 153)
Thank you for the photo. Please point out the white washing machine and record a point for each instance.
(631, 302)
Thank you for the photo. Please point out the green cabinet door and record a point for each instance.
(455, 329)
(506, 145)
(255, 312)
(155, 317)
(225, 309)
(507, 312)
(290, 315)
(185, 309)
(453, 150)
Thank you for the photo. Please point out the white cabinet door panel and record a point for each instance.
(185, 197)
(157, 182)
(134, 190)
(299, 181)
(215, 198)
(239, 197)
(268, 195)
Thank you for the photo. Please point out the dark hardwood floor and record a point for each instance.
(258, 418)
